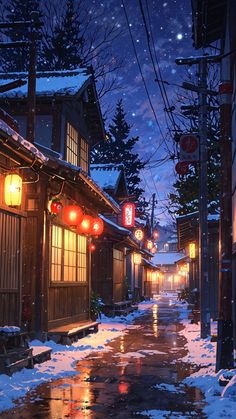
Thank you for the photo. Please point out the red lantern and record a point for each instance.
(97, 226)
(72, 215)
(92, 247)
(56, 207)
(128, 214)
(85, 227)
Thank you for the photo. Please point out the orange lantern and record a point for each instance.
(92, 247)
(85, 227)
(13, 190)
(97, 226)
(149, 244)
(72, 215)
(139, 234)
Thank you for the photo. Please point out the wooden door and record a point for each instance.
(10, 268)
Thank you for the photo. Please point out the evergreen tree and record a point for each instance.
(185, 197)
(63, 48)
(118, 148)
(17, 59)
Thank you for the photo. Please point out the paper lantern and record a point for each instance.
(55, 207)
(137, 258)
(92, 247)
(128, 214)
(149, 244)
(13, 190)
(72, 215)
(85, 227)
(139, 234)
(97, 226)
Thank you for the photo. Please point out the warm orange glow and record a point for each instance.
(149, 244)
(13, 190)
(192, 250)
(86, 225)
(97, 226)
(155, 234)
(123, 387)
(137, 258)
(72, 215)
(139, 234)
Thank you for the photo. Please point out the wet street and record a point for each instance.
(126, 380)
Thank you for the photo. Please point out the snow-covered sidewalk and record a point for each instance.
(64, 358)
(221, 401)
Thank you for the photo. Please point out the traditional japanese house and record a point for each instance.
(56, 267)
(188, 240)
(129, 269)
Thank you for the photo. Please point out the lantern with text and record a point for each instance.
(72, 215)
(192, 250)
(13, 190)
(85, 227)
(97, 226)
(139, 234)
(128, 214)
(137, 258)
(149, 244)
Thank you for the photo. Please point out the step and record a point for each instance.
(67, 334)
(41, 354)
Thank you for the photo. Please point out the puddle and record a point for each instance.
(125, 381)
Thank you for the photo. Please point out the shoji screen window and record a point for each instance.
(68, 256)
(72, 145)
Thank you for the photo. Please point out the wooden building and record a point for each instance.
(188, 229)
(56, 259)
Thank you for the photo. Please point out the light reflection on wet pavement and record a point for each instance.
(121, 383)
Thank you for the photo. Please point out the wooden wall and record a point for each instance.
(10, 268)
(102, 272)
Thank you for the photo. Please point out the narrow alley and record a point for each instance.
(140, 373)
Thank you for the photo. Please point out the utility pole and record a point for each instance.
(202, 91)
(203, 210)
(152, 213)
(225, 347)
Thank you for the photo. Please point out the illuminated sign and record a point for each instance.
(192, 250)
(149, 244)
(128, 214)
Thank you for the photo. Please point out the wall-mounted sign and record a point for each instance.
(128, 214)
(192, 250)
(139, 234)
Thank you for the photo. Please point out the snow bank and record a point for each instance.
(221, 401)
(64, 358)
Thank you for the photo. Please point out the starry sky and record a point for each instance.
(171, 25)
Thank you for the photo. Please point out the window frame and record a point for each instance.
(80, 257)
(80, 157)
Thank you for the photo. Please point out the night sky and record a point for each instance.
(171, 28)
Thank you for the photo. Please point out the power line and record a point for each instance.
(143, 79)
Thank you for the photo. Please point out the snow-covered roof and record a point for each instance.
(20, 140)
(167, 258)
(210, 217)
(107, 175)
(115, 225)
(150, 263)
(48, 83)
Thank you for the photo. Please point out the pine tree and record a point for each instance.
(118, 148)
(63, 48)
(17, 59)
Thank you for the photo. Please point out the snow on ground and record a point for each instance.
(221, 400)
(64, 358)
